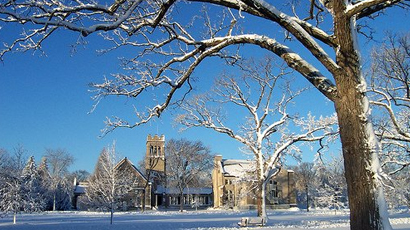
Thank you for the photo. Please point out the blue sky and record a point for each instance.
(45, 102)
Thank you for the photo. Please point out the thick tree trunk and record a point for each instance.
(259, 198)
(360, 147)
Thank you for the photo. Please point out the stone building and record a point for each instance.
(231, 179)
(233, 186)
(162, 195)
(140, 189)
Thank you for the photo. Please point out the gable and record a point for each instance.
(126, 164)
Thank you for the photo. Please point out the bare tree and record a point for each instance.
(390, 95)
(109, 184)
(186, 163)
(58, 161)
(304, 176)
(150, 27)
(102, 191)
(19, 158)
(267, 132)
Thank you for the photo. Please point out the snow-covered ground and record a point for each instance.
(169, 220)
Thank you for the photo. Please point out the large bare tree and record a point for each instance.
(187, 162)
(170, 49)
(389, 91)
(390, 96)
(259, 99)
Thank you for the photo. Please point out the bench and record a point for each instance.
(251, 221)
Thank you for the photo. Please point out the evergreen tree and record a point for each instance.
(22, 192)
(32, 188)
(45, 183)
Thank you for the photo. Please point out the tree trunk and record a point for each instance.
(111, 212)
(259, 198)
(307, 198)
(181, 204)
(264, 215)
(360, 147)
(54, 200)
(143, 200)
(261, 201)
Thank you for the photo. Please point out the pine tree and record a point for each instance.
(31, 186)
(45, 183)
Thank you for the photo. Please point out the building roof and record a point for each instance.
(80, 188)
(237, 168)
(125, 160)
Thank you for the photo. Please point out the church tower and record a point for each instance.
(155, 155)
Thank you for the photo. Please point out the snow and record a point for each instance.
(190, 220)
(237, 168)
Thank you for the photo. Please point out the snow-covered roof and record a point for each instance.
(236, 168)
(80, 188)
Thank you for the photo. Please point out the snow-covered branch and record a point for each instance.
(368, 7)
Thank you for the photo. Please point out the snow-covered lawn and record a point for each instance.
(169, 220)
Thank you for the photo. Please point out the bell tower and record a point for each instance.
(155, 155)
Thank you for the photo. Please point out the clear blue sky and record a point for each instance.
(45, 102)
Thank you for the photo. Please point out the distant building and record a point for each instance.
(232, 181)
(233, 186)
(131, 200)
(152, 184)
(162, 195)
(141, 188)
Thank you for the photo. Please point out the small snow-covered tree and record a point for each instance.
(187, 161)
(12, 197)
(330, 189)
(108, 184)
(102, 190)
(22, 192)
(268, 130)
(31, 181)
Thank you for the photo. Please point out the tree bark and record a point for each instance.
(307, 198)
(143, 200)
(259, 198)
(181, 204)
(261, 194)
(360, 147)
(112, 212)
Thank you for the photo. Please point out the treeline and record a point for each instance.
(29, 186)
(321, 184)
